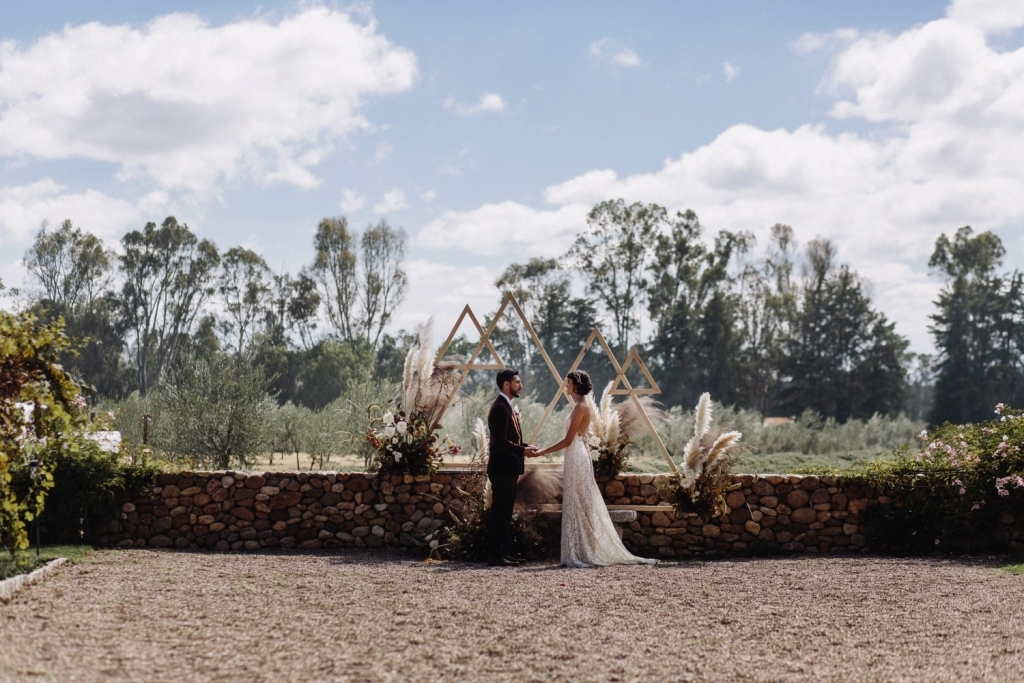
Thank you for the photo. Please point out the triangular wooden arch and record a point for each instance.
(485, 343)
(595, 335)
(621, 378)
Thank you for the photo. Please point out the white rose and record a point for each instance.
(401, 427)
(595, 453)
(398, 456)
(594, 441)
(394, 439)
(389, 431)
(387, 418)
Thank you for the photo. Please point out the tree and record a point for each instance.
(218, 411)
(978, 329)
(329, 368)
(561, 321)
(95, 356)
(360, 301)
(841, 355)
(73, 272)
(292, 305)
(384, 281)
(244, 289)
(695, 341)
(920, 385)
(168, 277)
(335, 268)
(612, 256)
(767, 310)
(71, 267)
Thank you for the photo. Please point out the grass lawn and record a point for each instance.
(25, 561)
(1014, 564)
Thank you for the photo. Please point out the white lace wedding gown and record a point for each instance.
(589, 538)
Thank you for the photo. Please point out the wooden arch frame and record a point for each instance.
(620, 386)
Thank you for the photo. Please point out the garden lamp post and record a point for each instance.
(33, 472)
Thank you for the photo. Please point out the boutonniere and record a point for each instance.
(515, 411)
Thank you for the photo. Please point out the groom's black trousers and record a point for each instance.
(503, 500)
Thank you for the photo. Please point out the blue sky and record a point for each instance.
(485, 130)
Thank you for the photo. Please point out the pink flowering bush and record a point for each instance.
(954, 495)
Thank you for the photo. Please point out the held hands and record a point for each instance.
(531, 452)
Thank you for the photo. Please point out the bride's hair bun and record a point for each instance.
(581, 380)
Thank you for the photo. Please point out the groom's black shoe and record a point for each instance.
(501, 562)
(518, 559)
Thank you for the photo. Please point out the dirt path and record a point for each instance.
(359, 616)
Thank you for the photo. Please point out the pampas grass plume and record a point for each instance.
(702, 421)
(482, 444)
(719, 450)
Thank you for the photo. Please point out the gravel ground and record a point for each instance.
(142, 615)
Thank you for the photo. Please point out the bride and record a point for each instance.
(589, 538)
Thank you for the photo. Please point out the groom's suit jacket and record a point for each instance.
(506, 440)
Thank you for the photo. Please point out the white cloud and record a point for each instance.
(941, 73)
(730, 71)
(813, 42)
(352, 201)
(441, 291)
(489, 103)
(24, 208)
(947, 154)
(189, 105)
(626, 58)
(382, 151)
(609, 51)
(429, 195)
(393, 201)
(450, 169)
(988, 15)
(494, 229)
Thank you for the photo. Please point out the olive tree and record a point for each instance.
(216, 411)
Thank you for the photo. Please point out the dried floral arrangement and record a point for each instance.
(613, 428)
(404, 440)
(707, 461)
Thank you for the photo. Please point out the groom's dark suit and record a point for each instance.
(504, 466)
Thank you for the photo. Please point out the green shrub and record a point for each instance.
(89, 487)
(956, 495)
(39, 406)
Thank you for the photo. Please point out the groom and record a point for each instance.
(504, 465)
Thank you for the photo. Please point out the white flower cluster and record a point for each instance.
(392, 432)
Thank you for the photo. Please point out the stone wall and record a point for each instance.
(249, 511)
(795, 513)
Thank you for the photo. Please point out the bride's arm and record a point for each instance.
(570, 434)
